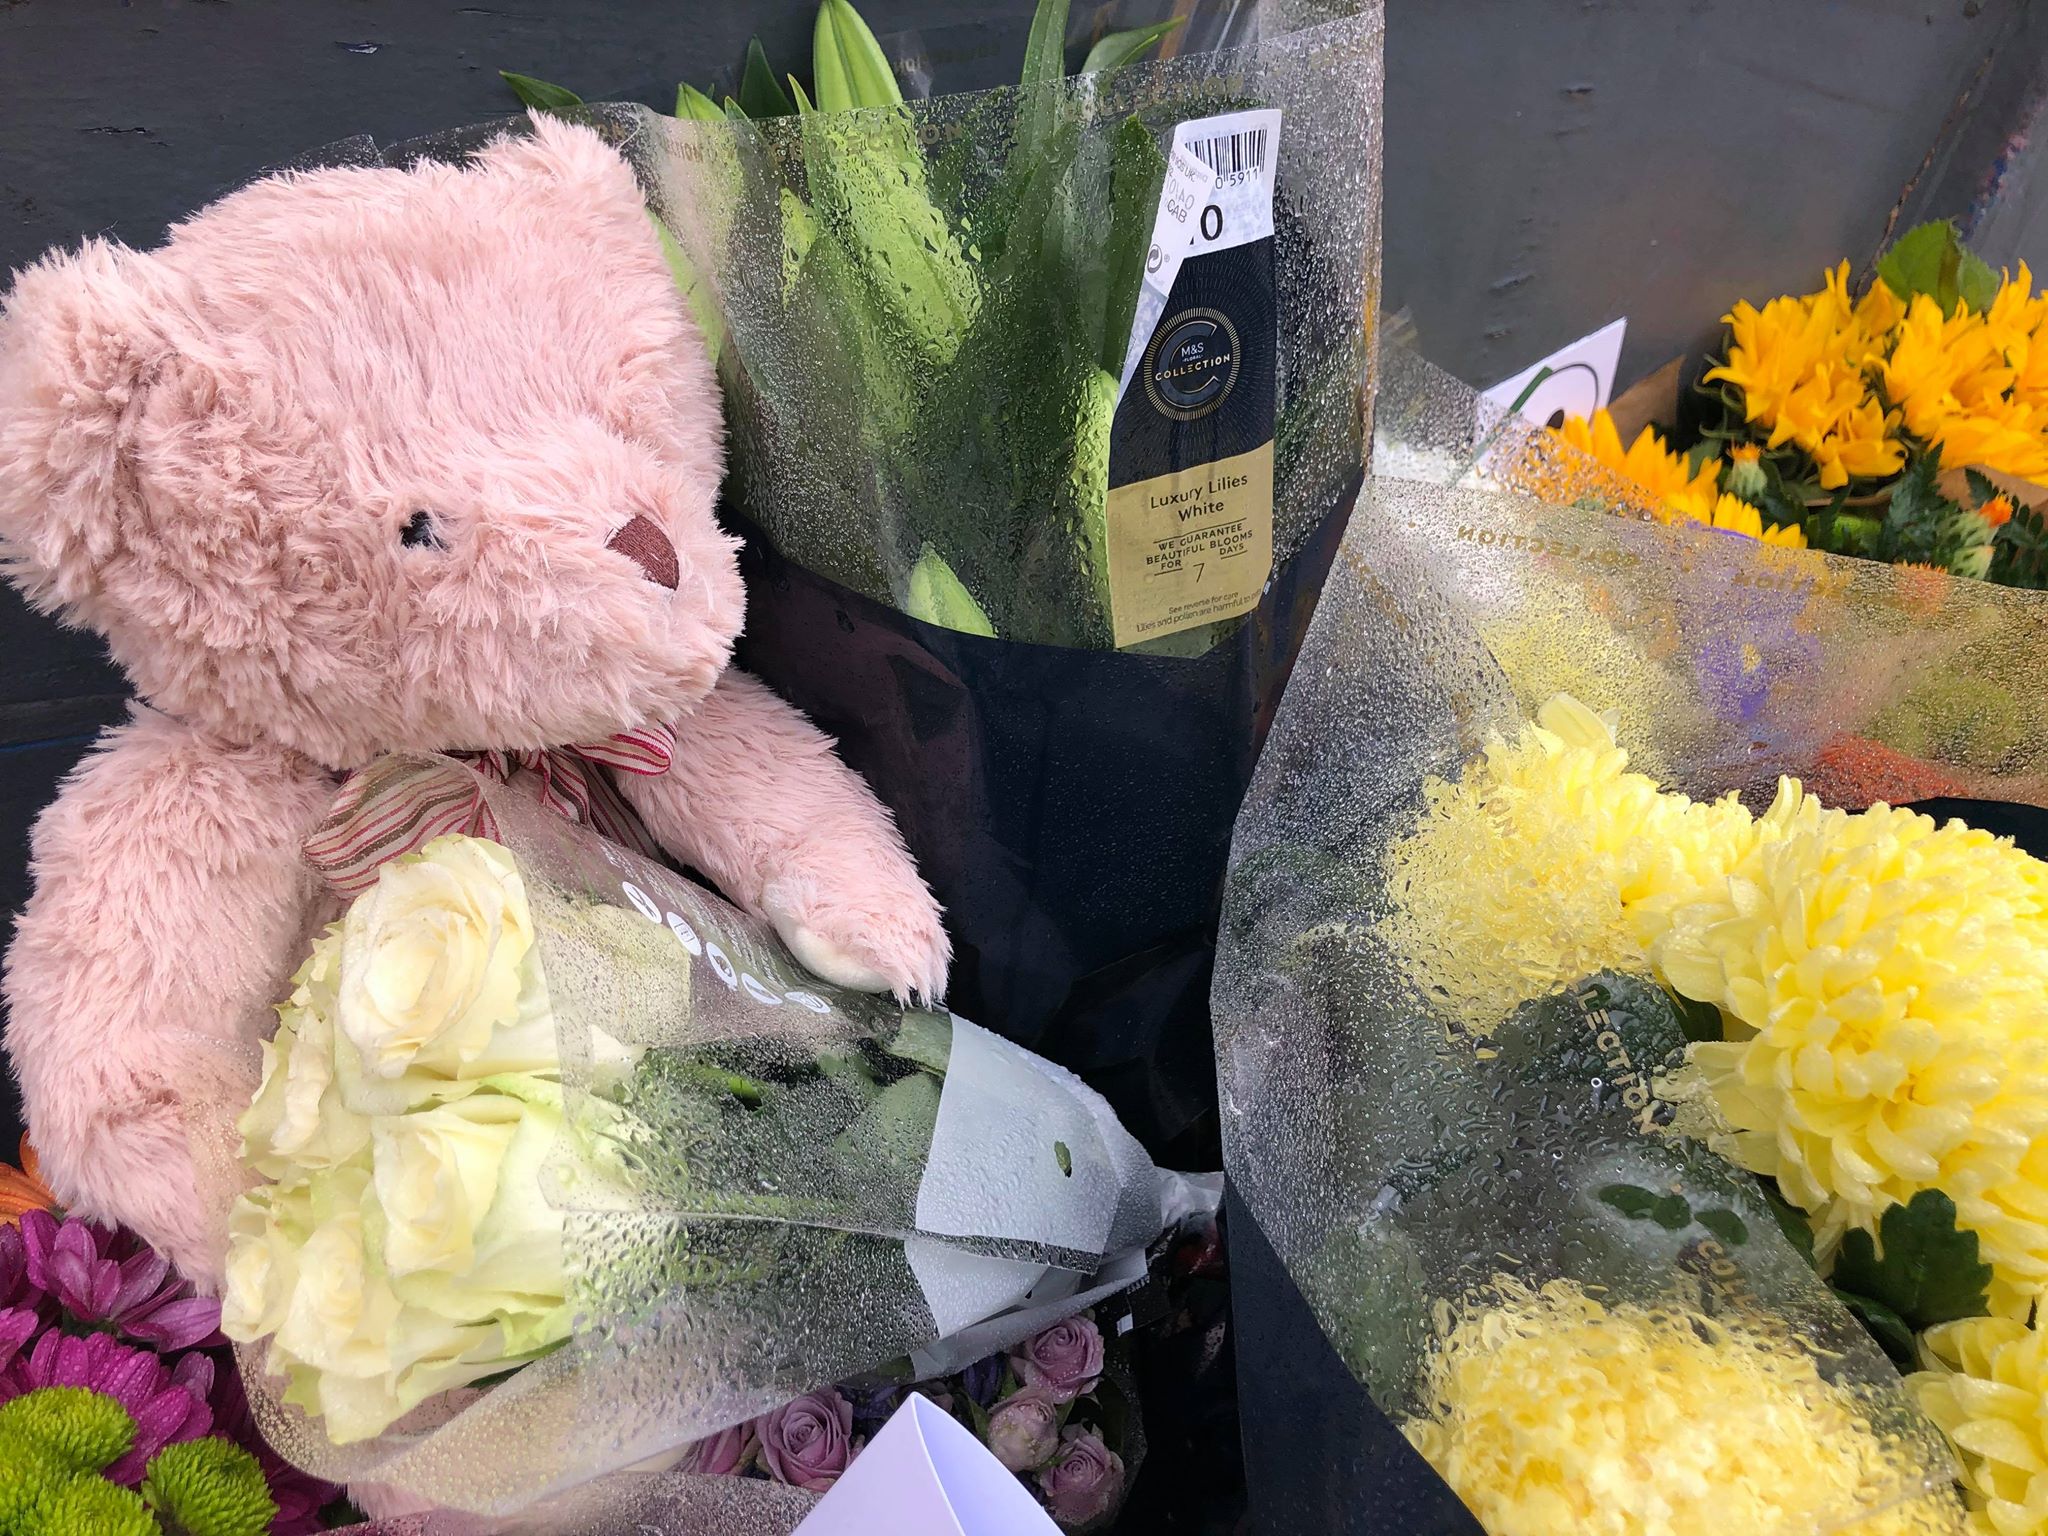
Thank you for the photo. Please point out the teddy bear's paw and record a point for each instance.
(870, 944)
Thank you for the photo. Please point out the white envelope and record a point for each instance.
(925, 1475)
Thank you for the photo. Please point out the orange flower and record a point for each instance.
(22, 1189)
(1997, 511)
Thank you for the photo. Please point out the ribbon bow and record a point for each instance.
(390, 808)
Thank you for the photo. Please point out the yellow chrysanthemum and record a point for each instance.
(2018, 322)
(1549, 1412)
(1987, 1390)
(1885, 986)
(1547, 861)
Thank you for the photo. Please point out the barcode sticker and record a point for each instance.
(1233, 155)
(1218, 194)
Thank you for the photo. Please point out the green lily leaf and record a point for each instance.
(693, 106)
(761, 94)
(1791, 1220)
(937, 596)
(1137, 171)
(1929, 1271)
(538, 95)
(1121, 48)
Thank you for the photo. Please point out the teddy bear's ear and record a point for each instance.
(81, 334)
(570, 154)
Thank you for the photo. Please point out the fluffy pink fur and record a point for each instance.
(209, 454)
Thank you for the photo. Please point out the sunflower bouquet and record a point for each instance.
(1907, 422)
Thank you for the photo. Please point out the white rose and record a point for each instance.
(264, 1232)
(436, 1175)
(298, 1119)
(341, 1310)
(434, 960)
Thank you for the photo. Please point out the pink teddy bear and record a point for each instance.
(364, 460)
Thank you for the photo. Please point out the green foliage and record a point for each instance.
(2019, 551)
(1927, 1272)
(538, 95)
(1790, 1219)
(1674, 1213)
(693, 106)
(1120, 48)
(1922, 526)
(761, 93)
(937, 597)
(1932, 259)
(208, 1488)
(848, 66)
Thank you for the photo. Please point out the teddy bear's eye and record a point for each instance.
(419, 533)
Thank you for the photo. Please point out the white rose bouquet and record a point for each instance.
(564, 1164)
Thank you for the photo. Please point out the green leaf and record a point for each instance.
(1700, 1021)
(1981, 488)
(1631, 1201)
(1045, 50)
(1791, 1220)
(1893, 1334)
(693, 106)
(761, 94)
(1928, 1273)
(1120, 48)
(937, 596)
(1932, 259)
(1137, 171)
(1725, 1225)
(1064, 1156)
(847, 63)
(926, 1039)
(1671, 1213)
(538, 95)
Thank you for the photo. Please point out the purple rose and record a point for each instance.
(1083, 1481)
(1066, 1359)
(724, 1454)
(1024, 1430)
(809, 1442)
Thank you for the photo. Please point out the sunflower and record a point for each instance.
(1732, 515)
(1667, 477)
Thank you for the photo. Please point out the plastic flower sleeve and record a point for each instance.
(764, 1184)
(1448, 1066)
(922, 315)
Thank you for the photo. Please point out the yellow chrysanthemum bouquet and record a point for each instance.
(1653, 1118)
(1907, 422)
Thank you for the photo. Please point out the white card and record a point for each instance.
(1581, 379)
(925, 1475)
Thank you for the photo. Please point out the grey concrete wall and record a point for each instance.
(1550, 164)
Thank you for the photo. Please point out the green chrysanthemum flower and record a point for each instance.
(209, 1488)
(92, 1504)
(85, 1431)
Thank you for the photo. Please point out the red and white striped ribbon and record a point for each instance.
(391, 808)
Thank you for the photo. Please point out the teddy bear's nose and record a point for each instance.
(647, 547)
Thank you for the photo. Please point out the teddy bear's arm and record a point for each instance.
(169, 902)
(757, 799)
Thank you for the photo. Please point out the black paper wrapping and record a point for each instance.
(1072, 810)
